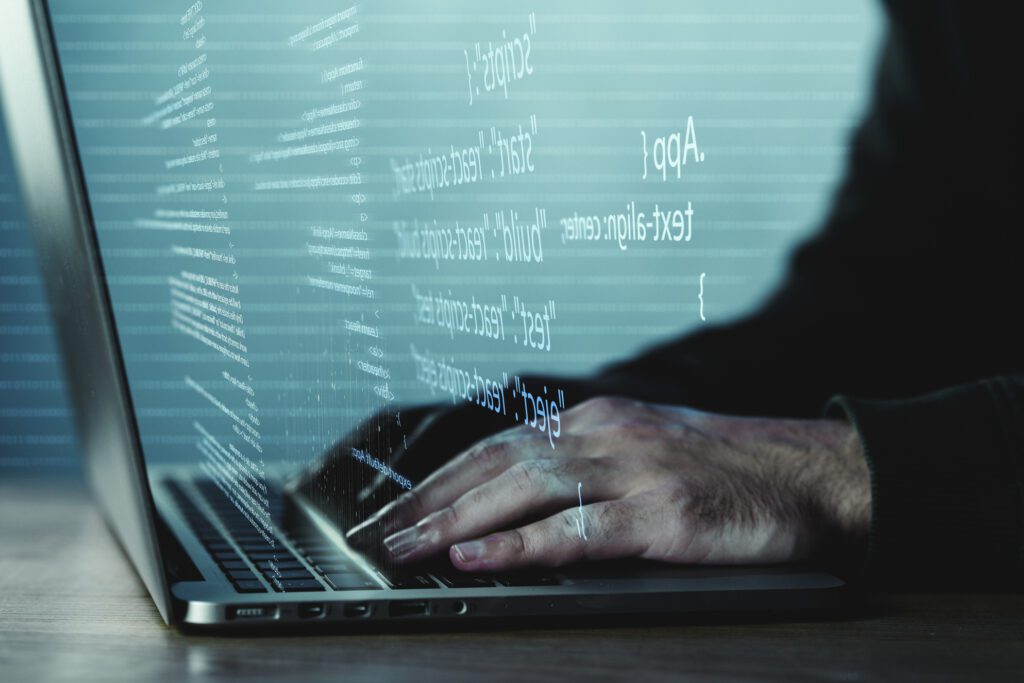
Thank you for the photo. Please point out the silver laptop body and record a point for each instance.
(183, 534)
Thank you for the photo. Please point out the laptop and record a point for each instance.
(266, 229)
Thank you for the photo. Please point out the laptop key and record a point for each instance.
(219, 547)
(307, 541)
(249, 538)
(265, 565)
(336, 568)
(225, 555)
(295, 585)
(250, 587)
(257, 547)
(309, 551)
(288, 574)
(325, 558)
(233, 565)
(257, 541)
(348, 581)
(466, 580)
(241, 575)
(529, 580)
(282, 556)
(412, 581)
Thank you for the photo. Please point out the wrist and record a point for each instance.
(840, 488)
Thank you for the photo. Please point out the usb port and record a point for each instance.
(408, 608)
(311, 610)
(356, 609)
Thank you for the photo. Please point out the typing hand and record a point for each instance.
(630, 479)
(415, 442)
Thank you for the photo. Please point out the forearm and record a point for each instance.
(812, 472)
(836, 478)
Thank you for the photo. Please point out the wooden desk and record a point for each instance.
(72, 609)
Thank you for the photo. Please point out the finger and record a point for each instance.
(527, 489)
(480, 463)
(603, 531)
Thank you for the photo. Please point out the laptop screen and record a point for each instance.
(313, 213)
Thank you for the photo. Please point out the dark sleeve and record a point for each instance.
(946, 476)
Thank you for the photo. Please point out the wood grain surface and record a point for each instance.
(72, 609)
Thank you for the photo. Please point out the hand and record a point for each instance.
(347, 491)
(413, 440)
(657, 482)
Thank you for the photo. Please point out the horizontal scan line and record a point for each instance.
(351, 290)
(309, 183)
(305, 150)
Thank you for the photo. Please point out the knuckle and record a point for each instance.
(605, 410)
(604, 520)
(519, 545)
(410, 502)
(644, 421)
(477, 498)
(446, 518)
(488, 454)
(567, 522)
(567, 530)
(600, 405)
(527, 475)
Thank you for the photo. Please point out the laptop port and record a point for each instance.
(460, 607)
(356, 610)
(312, 610)
(408, 608)
(252, 612)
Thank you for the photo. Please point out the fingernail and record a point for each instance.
(403, 543)
(361, 527)
(376, 525)
(470, 551)
(360, 537)
(364, 533)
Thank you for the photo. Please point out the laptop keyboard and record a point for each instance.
(224, 554)
(316, 566)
